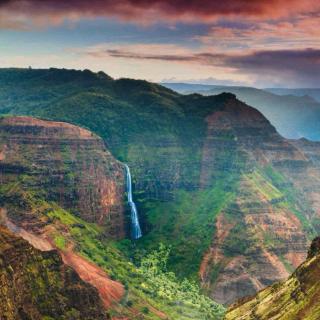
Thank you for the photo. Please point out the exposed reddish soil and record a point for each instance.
(214, 255)
(110, 291)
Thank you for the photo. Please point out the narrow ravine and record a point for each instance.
(135, 225)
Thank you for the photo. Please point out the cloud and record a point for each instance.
(295, 33)
(294, 67)
(242, 38)
(156, 52)
(116, 53)
(290, 66)
(43, 12)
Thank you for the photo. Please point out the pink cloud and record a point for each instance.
(42, 12)
(296, 33)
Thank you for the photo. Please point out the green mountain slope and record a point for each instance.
(296, 298)
(36, 285)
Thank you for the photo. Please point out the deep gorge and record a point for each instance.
(213, 180)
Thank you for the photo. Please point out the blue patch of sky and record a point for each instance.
(92, 32)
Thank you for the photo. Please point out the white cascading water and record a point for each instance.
(135, 225)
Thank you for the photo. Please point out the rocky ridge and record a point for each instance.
(38, 285)
(295, 298)
(259, 238)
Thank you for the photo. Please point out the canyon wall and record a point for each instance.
(263, 233)
(64, 164)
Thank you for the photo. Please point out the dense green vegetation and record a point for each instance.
(187, 224)
(149, 284)
(150, 287)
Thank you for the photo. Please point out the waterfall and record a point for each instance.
(135, 225)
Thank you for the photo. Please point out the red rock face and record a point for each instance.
(295, 298)
(68, 164)
(259, 238)
(306, 176)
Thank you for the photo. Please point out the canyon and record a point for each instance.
(37, 159)
(237, 203)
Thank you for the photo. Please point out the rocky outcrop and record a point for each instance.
(110, 291)
(296, 298)
(260, 237)
(65, 164)
(37, 285)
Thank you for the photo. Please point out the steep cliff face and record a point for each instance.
(50, 168)
(259, 238)
(296, 298)
(64, 164)
(305, 178)
(37, 285)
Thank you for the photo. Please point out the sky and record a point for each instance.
(262, 43)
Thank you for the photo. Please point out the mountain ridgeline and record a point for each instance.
(295, 298)
(213, 180)
(295, 113)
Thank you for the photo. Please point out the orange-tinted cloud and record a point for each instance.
(146, 11)
(296, 33)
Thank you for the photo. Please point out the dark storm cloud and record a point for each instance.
(306, 61)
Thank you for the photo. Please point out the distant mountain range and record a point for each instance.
(299, 92)
(294, 112)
